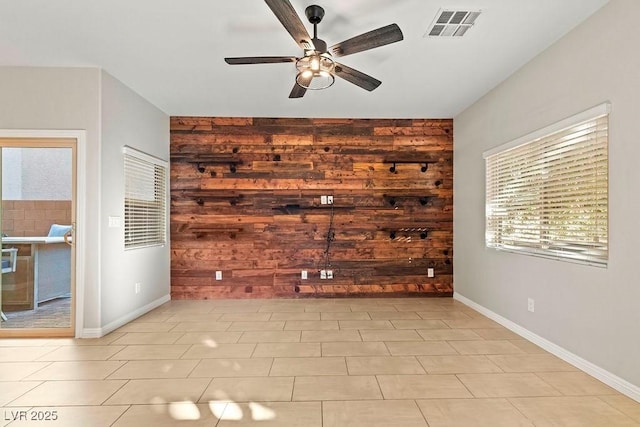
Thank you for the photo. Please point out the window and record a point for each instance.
(547, 193)
(145, 216)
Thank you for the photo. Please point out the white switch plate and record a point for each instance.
(329, 274)
(329, 200)
(430, 272)
(114, 222)
(531, 305)
(303, 275)
(323, 200)
(323, 274)
(137, 287)
(218, 275)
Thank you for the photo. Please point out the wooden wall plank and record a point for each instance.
(259, 219)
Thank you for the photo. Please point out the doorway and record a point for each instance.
(38, 217)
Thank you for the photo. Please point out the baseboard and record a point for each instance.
(91, 333)
(595, 371)
(100, 332)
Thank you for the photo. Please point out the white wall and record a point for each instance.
(589, 311)
(63, 98)
(128, 119)
(112, 116)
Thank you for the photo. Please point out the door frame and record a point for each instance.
(81, 178)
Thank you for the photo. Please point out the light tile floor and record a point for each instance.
(307, 363)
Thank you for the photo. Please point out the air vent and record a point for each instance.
(452, 23)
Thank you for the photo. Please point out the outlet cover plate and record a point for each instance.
(303, 275)
(218, 275)
(430, 272)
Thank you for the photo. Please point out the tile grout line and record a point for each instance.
(204, 390)
(114, 392)
(195, 365)
(121, 415)
(380, 387)
(600, 398)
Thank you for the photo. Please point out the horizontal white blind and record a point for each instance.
(549, 196)
(145, 200)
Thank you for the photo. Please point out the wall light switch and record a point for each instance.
(115, 221)
(430, 272)
(323, 200)
(329, 200)
(303, 275)
(323, 274)
(329, 274)
(218, 275)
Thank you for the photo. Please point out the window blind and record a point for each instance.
(144, 200)
(549, 196)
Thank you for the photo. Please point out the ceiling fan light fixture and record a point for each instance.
(314, 63)
(315, 72)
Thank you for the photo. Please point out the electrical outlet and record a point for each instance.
(137, 287)
(430, 272)
(323, 200)
(323, 274)
(303, 275)
(531, 305)
(329, 200)
(218, 275)
(330, 274)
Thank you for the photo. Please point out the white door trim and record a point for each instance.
(81, 179)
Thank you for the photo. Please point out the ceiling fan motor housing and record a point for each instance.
(320, 46)
(314, 14)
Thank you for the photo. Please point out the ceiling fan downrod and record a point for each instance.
(315, 14)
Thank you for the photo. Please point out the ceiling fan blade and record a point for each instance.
(288, 17)
(259, 60)
(298, 91)
(356, 77)
(376, 38)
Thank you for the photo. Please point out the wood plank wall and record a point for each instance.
(246, 199)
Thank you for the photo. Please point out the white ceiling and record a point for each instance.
(171, 52)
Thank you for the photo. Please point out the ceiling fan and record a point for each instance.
(316, 69)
